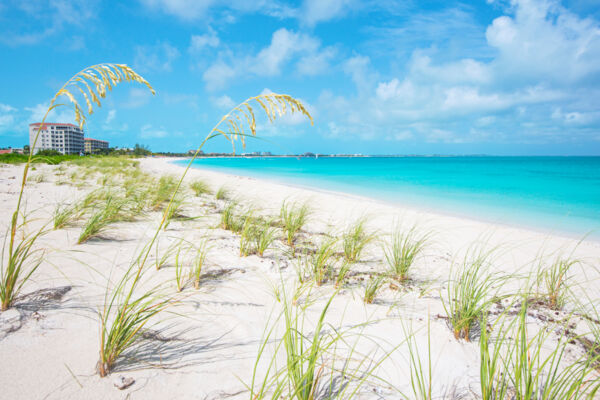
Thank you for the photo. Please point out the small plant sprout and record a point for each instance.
(222, 193)
(200, 187)
(293, 218)
(355, 239)
(469, 291)
(553, 281)
(402, 251)
(372, 287)
(198, 263)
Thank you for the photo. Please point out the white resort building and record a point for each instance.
(91, 146)
(64, 138)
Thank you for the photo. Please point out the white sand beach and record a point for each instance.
(205, 346)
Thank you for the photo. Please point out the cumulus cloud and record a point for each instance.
(543, 73)
(157, 57)
(315, 11)
(30, 22)
(224, 102)
(200, 42)
(285, 47)
(148, 131)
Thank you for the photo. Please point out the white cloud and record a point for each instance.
(315, 11)
(192, 10)
(138, 97)
(316, 63)
(285, 48)
(218, 75)
(157, 57)
(284, 45)
(110, 116)
(150, 132)
(45, 18)
(224, 102)
(199, 42)
(545, 56)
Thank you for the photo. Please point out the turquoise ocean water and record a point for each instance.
(560, 194)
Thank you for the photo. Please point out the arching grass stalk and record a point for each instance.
(403, 250)
(355, 239)
(293, 218)
(468, 292)
(93, 83)
(133, 310)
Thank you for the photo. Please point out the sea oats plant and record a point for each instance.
(222, 193)
(372, 287)
(321, 262)
(65, 215)
(200, 187)
(403, 250)
(524, 365)
(319, 363)
(355, 239)
(553, 282)
(293, 218)
(265, 235)
(468, 291)
(126, 311)
(92, 83)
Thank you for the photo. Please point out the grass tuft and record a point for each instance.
(293, 218)
(355, 239)
(200, 187)
(402, 251)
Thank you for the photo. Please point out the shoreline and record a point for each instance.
(430, 211)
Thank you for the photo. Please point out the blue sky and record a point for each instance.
(380, 77)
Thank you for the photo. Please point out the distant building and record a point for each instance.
(93, 145)
(64, 138)
(11, 150)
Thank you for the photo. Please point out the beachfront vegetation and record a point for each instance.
(372, 287)
(293, 218)
(320, 263)
(553, 282)
(200, 187)
(468, 291)
(222, 193)
(355, 239)
(403, 250)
